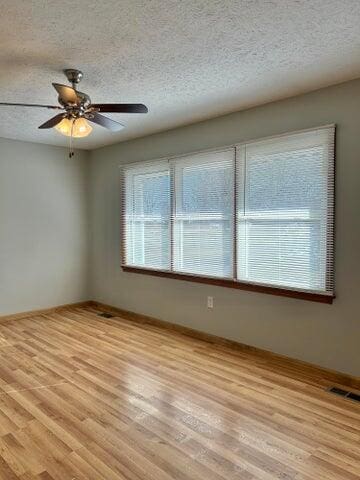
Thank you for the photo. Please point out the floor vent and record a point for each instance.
(344, 393)
(338, 391)
(106, 315)
(354, 396)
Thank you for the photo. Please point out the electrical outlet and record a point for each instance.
(210, 302)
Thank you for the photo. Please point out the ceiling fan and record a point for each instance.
(76, 108)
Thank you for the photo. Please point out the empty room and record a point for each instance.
(179, 240)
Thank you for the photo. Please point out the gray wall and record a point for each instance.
(327, 335)
(43, 226)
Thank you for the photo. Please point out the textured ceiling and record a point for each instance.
(187, 60)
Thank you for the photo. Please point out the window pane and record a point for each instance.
(283, 220)
(203, 218)
(148, 216)
(283, 253)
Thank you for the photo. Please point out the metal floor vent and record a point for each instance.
(106, 315)
(344, 393)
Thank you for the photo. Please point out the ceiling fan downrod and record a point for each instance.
(74, 76)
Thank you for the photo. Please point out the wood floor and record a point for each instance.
(88, 398)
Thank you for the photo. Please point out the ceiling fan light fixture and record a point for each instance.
(77, 127)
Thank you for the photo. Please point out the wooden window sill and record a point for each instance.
(222, 282)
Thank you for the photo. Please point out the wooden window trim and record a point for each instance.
(229, 283)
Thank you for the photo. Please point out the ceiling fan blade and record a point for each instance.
(29, 105)
(105, 122)
(53, 121)
(121, 107)
(67, 94)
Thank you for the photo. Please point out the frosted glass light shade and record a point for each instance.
(80, 127)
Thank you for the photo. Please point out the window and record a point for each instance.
(256, 214)
(285, 196)
(203, 214)
(147, 211)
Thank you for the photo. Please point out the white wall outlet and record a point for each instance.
(210, 302)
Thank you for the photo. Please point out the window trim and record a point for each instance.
(229, 283)
(289, 292)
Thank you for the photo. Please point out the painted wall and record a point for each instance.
(43, 226)
(327, 335)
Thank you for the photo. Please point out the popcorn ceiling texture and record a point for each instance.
(188, 60)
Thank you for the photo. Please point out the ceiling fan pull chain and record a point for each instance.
(71, 152)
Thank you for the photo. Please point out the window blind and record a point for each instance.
(146, 210)
(203, 214)
(257, 213)
(285, 211)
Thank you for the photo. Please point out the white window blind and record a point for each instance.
(258, 213)
(285, 211)
(147, 215)
(203, 214)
